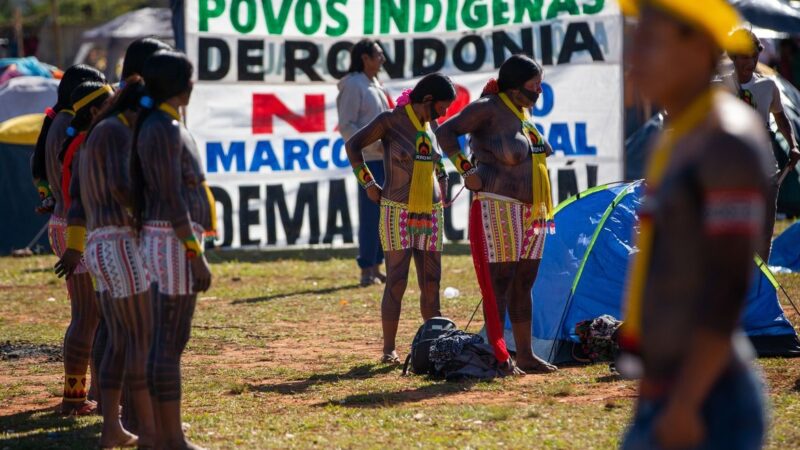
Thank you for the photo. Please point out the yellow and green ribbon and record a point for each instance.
(420, 197)
(542, 194)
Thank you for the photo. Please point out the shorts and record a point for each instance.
(57, 233)
(509, 229)
(165, 257)
(114, 260)
(734, 415)
(394, 231)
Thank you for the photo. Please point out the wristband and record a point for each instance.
(364, 176)
(76, 237)
(441, 173)
(463, 166)
(193, 248)
(44, 189)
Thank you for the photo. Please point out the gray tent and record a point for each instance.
(26, 95)
(113, 37)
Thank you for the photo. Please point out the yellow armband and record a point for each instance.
(193, 248)
(364, 176)
(462, 164)
(76, 237)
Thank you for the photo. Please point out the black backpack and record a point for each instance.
(419, 356)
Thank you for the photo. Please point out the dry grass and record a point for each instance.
(283, 355)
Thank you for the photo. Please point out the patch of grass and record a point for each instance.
(284, 354)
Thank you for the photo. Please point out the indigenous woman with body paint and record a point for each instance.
(511, 212)
(135, 56)
(73, 76)
(173, 207)
(84, 311)
(410, 210)
(112, 256)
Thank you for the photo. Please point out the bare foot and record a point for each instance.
(535, 365)
(84, 408)
(510, 368)
(121, 438)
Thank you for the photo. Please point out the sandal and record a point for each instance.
(376, 272)
(390, 358)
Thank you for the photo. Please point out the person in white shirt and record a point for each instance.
(361, 99)
(763, 95)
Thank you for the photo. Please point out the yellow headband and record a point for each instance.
(715, 17)
(80, 104)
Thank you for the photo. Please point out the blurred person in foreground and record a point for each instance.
(361, 99)
(700, 224)
(762, 94)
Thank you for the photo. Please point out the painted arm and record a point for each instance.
(371, 133)
(165, 167)
(472, 118)
(734, 202)
(76, 215)
(76, 227)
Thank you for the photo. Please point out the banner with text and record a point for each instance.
(264, 115)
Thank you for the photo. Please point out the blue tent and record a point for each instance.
(786, 249)
(582, 276)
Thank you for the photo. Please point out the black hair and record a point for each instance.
(83, 117)
(72, 77)
(166, 74)
(362, 47)
(516, 71)
(439, 86)
(127, 99)
(138, 52)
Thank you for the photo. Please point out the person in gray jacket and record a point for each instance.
(361, 98)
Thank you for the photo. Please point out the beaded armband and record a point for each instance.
(364, 176)
(43, 187)
(463, 166)
(441, 173)
(76, 237)
(193, 248)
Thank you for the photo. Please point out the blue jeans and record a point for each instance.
(734, 415)
(369, 214)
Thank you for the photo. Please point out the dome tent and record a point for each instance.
(583, 272)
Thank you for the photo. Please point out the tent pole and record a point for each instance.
(791, 302)
(56, 33)
(473, 314)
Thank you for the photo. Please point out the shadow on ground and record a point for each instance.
(48, 430)
(369, 400)
(309, 254)
(360, 372)
(267, 298)
(385, 399)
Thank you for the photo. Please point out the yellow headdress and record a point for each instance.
(715, 17)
